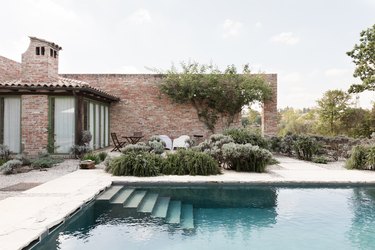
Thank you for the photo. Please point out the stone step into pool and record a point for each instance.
(140, 203)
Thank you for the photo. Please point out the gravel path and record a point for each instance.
(36, 176)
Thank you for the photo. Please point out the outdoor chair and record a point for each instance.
(167, 140)
(180, 142)
(117, 144)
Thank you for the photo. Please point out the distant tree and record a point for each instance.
(297, 121)
(363, 56)
(356, 122)
(331, 108)
(255, 117)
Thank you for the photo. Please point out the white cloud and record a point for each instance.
(128, 69)
(258, 25)
(231, 28)
(287, 38)
(335, 72)
(293, 77)
(140, 16)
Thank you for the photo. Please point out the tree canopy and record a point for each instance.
(363, 56)
(214, 93)
(331, 108)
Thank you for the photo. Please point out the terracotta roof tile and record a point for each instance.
(59, 83)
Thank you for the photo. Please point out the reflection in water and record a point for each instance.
(362, 230)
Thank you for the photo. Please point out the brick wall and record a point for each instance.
(269, 112)
(144, 108)
(34, 121)
(9, 69)
(39, 68)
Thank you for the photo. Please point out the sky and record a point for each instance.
(304, 42)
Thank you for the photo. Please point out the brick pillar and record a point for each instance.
(269, 112)
(34, 124)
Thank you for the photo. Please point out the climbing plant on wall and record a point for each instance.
(214, 93)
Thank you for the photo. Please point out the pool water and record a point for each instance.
(222, 217)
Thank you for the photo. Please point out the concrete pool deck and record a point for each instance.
(37, 211)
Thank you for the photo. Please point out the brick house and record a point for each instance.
(41, 108)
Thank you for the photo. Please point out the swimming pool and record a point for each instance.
(222, 217)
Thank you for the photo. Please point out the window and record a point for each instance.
(62, 123)
(37, 51)
(54, 53)
(51, 52)
(42, 50)
(10, 123)
(95, 119)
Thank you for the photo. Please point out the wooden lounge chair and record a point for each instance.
(117, 144)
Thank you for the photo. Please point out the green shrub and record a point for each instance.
(25, 160)
(86, 137)
(140, 147)
(78, 151)
(156, 145)
(244, 136)
(358, 158)
(305, 147)
(102, 156)
(246, 157)
(213, 145)
(287, 144)
(320, 160)
(91, 156)
(4, 152)
(275, 144)
(135, 164)
(2, 161)
(45, 161)
(10, 167)
(189, 162)
(273, 161)
(371, 158)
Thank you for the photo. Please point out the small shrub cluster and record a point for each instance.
(4, 152)
(213, 145)
(246, 157)
(153, 145)
(45, 160)
(96, 157)
(245, 136)
(189, 162)
(10, 167)
(301, 146)
(156, 145)
(135, 164)
(362, 157)
(320, 159)
(78, 151)
(305, 147)
(140, 147)
(182, 162)
(235, 152)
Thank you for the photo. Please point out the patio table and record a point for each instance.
(133, 139)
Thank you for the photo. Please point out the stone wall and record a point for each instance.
(143, 108)
(9, 69)
(34, 121)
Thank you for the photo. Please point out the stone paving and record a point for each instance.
(28, 216)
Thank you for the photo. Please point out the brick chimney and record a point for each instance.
(40, 62)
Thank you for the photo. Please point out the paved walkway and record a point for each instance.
(26, 217)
